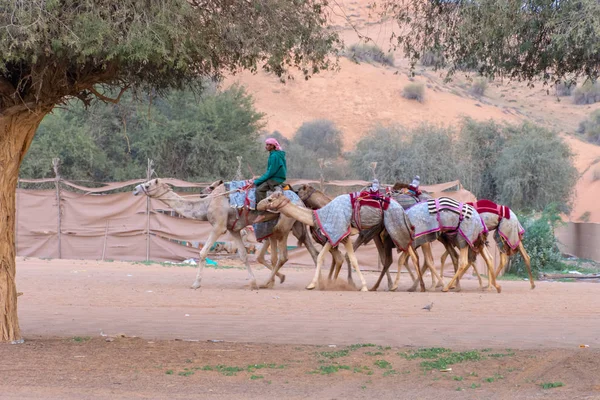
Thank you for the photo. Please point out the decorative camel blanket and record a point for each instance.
(511, 230)
(367, 208)
(408, 200)
(245, 197)
(488, 206)
(263, 230)
(398, 225)
(450, 217)
(335, 219)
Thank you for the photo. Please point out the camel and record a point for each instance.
(214, 208)
(508, 234)
(340, 212)
(315, 199)
(460, 228)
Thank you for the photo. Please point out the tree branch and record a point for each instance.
(108, 99)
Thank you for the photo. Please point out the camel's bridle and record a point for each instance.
(311, 190)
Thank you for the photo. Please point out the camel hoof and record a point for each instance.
(499, 288)
(253, 285)
(310, 286)
(412, 289)
(373, 289)
(445, 289)
(364, 289)
(268, 285)
(196, 285)
(532, 286)
(282, 278)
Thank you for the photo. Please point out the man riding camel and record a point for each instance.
(276, 170)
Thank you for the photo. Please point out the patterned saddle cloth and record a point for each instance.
(488, 206)
(464, 210)
(367, 208)
(246, 196)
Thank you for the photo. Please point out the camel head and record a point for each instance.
(152, 188)
(305, 191)
(273, 202)
(209, 189)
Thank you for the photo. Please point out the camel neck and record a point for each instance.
(188, 208)
(304, 215)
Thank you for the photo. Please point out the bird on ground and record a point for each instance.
(428, 307)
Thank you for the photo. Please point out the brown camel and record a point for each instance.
(503, 229)
(444, 224)
(339, 210)
(215, 209)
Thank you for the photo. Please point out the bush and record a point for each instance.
(320, 136)
(541, 243)
(369, 53)
(590, 128)
(401, 154)
(431, 59)
(478, 86)
(564, 89)
(414, 91)
(534, 169)
(587, 93)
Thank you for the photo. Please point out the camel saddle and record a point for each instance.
(447, 204)
(488, 206)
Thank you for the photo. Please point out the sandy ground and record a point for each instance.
(522, 338)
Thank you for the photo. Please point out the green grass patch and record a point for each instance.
(376, 353)
(334, 354)
(255, 377)
(357, 346)
(361, 369)
(383, 364)
(228, 371)
(254, 367)
(441, 358)
(428, 353)
(81, 339)
(457, 378)
(169, 372)
(551, 385)
(186, 373)
(330, 369)
(501, 355)
(390, 372)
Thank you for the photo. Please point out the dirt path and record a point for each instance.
(289, 342)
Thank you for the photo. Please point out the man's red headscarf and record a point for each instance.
(274, 142)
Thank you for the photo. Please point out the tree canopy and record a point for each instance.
(522, 40)
(58, 48)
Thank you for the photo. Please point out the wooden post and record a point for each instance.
(105, 240)
(149, 173)
(55, 162)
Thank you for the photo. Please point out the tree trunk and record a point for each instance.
(16, 134)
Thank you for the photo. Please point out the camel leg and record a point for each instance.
(490, 264)
(384, 251)
(476, 273)
(427, 263)
(313, 284)
(454, 257)
(237, 238)
(212, 238)
(357, 243)
(503, 262)
(463, 264)
(338, 261)
(401, 262)
(383, 273)
(280, 260)
(527, 260)
(332, 268)
(272, 243)
(354, 261)
(261, 258)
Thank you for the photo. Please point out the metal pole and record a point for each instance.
(57, 183)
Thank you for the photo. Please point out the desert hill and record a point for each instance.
(358, 96)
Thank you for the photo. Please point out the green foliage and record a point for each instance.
(188, 137)
(478, 148)
(514, 39)
(414, 91)
(400, 154)
(369, 53)
(540, 242)
(320, 136)
(478, 87)
(590, 128)
(588, 93)
(551, 385)
(54, 49)
(535, 168)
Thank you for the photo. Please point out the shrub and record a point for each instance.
(478, 86)
(431, 59)
(369, 53)
(414, 91)
(564, 89)
(540, 242)
(590, 128)
(321, 136)
(587, 93)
